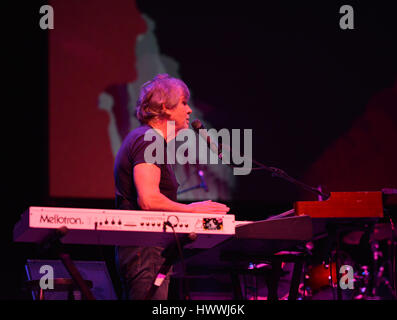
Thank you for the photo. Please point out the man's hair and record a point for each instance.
(161, 90)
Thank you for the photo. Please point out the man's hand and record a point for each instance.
(208, 207)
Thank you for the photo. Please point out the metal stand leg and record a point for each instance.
(76, 276)
(273, 279)
(237, 295)
(295, 281)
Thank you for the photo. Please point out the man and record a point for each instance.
(162, 108)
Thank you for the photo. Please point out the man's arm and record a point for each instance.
(147, 182)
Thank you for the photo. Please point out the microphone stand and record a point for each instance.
(276, 172)
(201, 185)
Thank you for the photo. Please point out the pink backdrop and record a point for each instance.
(91, 47)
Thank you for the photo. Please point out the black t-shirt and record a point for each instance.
(132, 153)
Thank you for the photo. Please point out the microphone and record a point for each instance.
(202, 184)
(201, 131)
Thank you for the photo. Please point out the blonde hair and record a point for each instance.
(161, 90)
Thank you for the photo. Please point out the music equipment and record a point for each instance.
(129, 227)
(282, 228)
(123, 227)
(342, 212)
(318, 276)
(343, 205)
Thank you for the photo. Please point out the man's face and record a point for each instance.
(180, 114)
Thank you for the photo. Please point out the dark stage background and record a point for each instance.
(321, 102)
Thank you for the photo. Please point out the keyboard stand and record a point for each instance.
(52, 241)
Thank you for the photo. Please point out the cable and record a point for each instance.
(331, 277)
(179, 247)
(393, 243)
(98, 237)
(178, 244)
